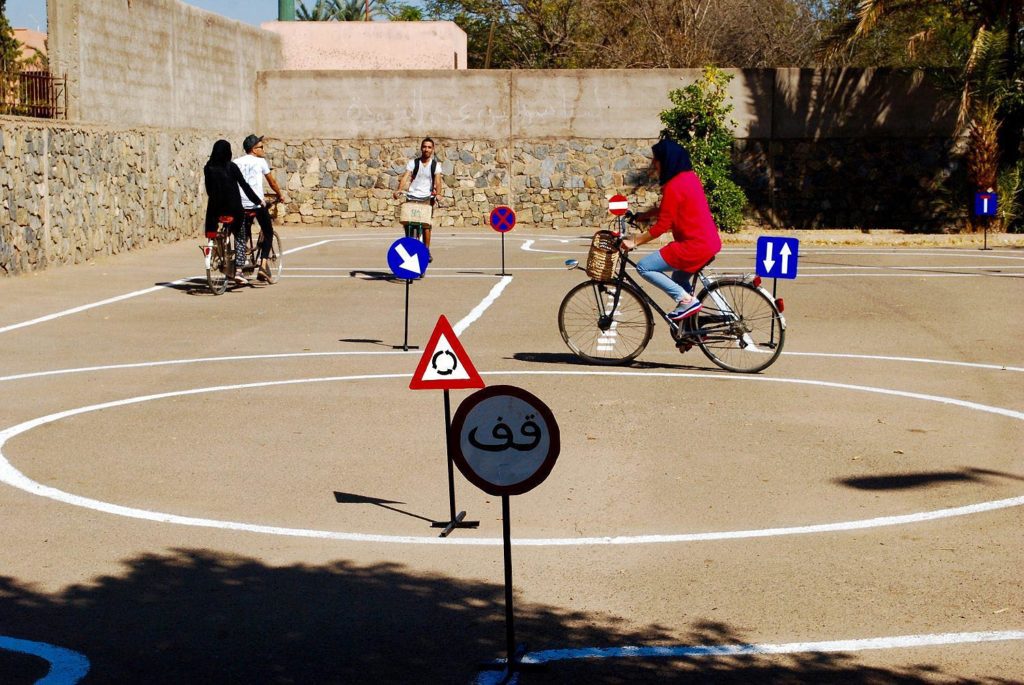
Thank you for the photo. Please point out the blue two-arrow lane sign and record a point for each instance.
(408, 258)
(776, 257)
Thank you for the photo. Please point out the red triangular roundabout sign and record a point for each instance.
(445, 364)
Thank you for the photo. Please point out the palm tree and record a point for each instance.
(335, 10)
(991, 88)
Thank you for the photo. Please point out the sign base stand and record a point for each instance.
(457, 522)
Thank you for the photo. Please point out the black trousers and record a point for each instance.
(267, 228)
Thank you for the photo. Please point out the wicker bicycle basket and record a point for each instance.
(603, 259)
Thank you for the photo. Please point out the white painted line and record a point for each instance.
(13, 477)
(356, 276)
(66, 666)
(916, 360)
(290, 355)
(86, 307)
(201, 360)
(126, 296)
(830, 646)
(306, 247)
(478, 310)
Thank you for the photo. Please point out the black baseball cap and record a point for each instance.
(250, 141)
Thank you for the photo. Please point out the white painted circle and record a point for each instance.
(10, 475)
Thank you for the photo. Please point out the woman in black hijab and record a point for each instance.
(223, 180)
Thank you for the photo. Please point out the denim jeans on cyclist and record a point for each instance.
(653, 268)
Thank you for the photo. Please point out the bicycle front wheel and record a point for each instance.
(216, 272)
(605, 323)
(738, 327)
(274, 259)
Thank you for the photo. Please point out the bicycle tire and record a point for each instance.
(276, 258)
(748, 342)
(216, 276)
(603, 329)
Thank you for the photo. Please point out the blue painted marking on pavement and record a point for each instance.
(66, 667)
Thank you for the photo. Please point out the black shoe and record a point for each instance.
(430, 258)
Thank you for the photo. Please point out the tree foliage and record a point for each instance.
(699, 120)
(631, 34)
(985, 41)
(334, 10)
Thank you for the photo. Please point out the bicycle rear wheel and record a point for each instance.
(216, 273)
(738, 327)
(605, 323)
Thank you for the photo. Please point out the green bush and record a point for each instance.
(699, 121)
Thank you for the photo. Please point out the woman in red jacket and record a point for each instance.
(684, 211)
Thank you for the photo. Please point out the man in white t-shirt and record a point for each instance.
(255, 169)
(421, 182)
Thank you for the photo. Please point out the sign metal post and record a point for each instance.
(505, 442)
(408, 259)
(446, 366)
(502, 220)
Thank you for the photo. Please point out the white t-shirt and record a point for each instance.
(253, 170)
(423, 184)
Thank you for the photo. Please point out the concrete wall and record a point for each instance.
(158, 63)
(370, 45)
(594, 104)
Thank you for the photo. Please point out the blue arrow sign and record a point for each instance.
(407, 258)
(986, 204)
(776, 257)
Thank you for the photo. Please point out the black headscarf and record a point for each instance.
(673, 157)
(221, 154)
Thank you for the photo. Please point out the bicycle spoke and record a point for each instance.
(604, 324)
(739, 328)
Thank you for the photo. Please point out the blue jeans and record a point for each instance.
(653, 268)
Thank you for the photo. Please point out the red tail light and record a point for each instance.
(210, 235)
(757, 281)
(780, 304)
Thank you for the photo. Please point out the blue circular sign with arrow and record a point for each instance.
(408, 258)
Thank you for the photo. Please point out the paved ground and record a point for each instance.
(238, 489)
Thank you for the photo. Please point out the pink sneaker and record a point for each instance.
(684, 311)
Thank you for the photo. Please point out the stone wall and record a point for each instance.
(70, 192)
(553, 184)
(565, 184)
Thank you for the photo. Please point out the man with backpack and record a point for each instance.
(421, 183)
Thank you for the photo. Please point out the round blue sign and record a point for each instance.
(408, 258)
(503, 219)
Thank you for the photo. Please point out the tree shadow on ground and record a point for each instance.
(924, 479)
(196, 616)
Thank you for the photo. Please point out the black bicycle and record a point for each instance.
(608, 319)
(219, 251)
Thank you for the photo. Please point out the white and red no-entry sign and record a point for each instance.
(618, 204)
